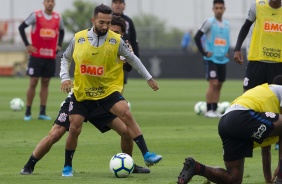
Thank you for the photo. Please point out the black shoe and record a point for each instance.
(26, 171)
(188, 171)
(139, 169)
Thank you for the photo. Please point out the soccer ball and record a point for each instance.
(16, 104)
(200, 108)
(221, 107)
(121, 165)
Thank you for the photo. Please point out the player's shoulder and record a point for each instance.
(253, 7)
(37, 11)
(81, 33)
(276, 86)
(226, 22)
(113, 34)
(56, 14)
(211, 20)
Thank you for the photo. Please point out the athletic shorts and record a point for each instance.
(215, 71)
(239, 129)
(258, 73)
(41, 67)
(97, 112)
(63, 116)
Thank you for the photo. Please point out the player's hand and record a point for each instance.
(31, 49)
(153, 84)
(238, 57)
(209, 54)
(66, 86)
(58, 48)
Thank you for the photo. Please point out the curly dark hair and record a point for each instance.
(102, 9)
(118, 21)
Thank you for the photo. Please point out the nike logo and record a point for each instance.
(94, 54)
(274, 13)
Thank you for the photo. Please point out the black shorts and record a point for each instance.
(215, 71)
(96, 111)
(258, 73)
(41, 67)
(239, 129)
(63, 116)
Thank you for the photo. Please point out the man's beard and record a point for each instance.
(99, 33)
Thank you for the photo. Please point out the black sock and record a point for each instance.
(42, 110)
(31, 162)
(214, 106)
(28, 111)
(68, 157)
(209, 106)
(139, 140)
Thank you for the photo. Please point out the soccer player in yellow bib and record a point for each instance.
(61, 125)
(264, 56)
(98, 82)
(265, 52)
(255, 116)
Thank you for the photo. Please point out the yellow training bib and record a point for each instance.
(267, 33)
(98, 70)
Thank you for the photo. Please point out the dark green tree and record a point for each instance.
(152, 32)
(80, 17)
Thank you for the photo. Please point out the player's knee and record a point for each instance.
(235, 180)
(75, 130)
(215, 85)
(53, 137)
(126, 115)
(123, 132)
(125, 135)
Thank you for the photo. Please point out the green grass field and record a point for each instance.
(166, 117)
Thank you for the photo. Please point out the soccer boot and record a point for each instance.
(188, 171)
(44, 117)
(27, 118)
(67, 171)
(151, 159)
(211, 114)
(26, 171)
(139, 169)
(218, 114)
